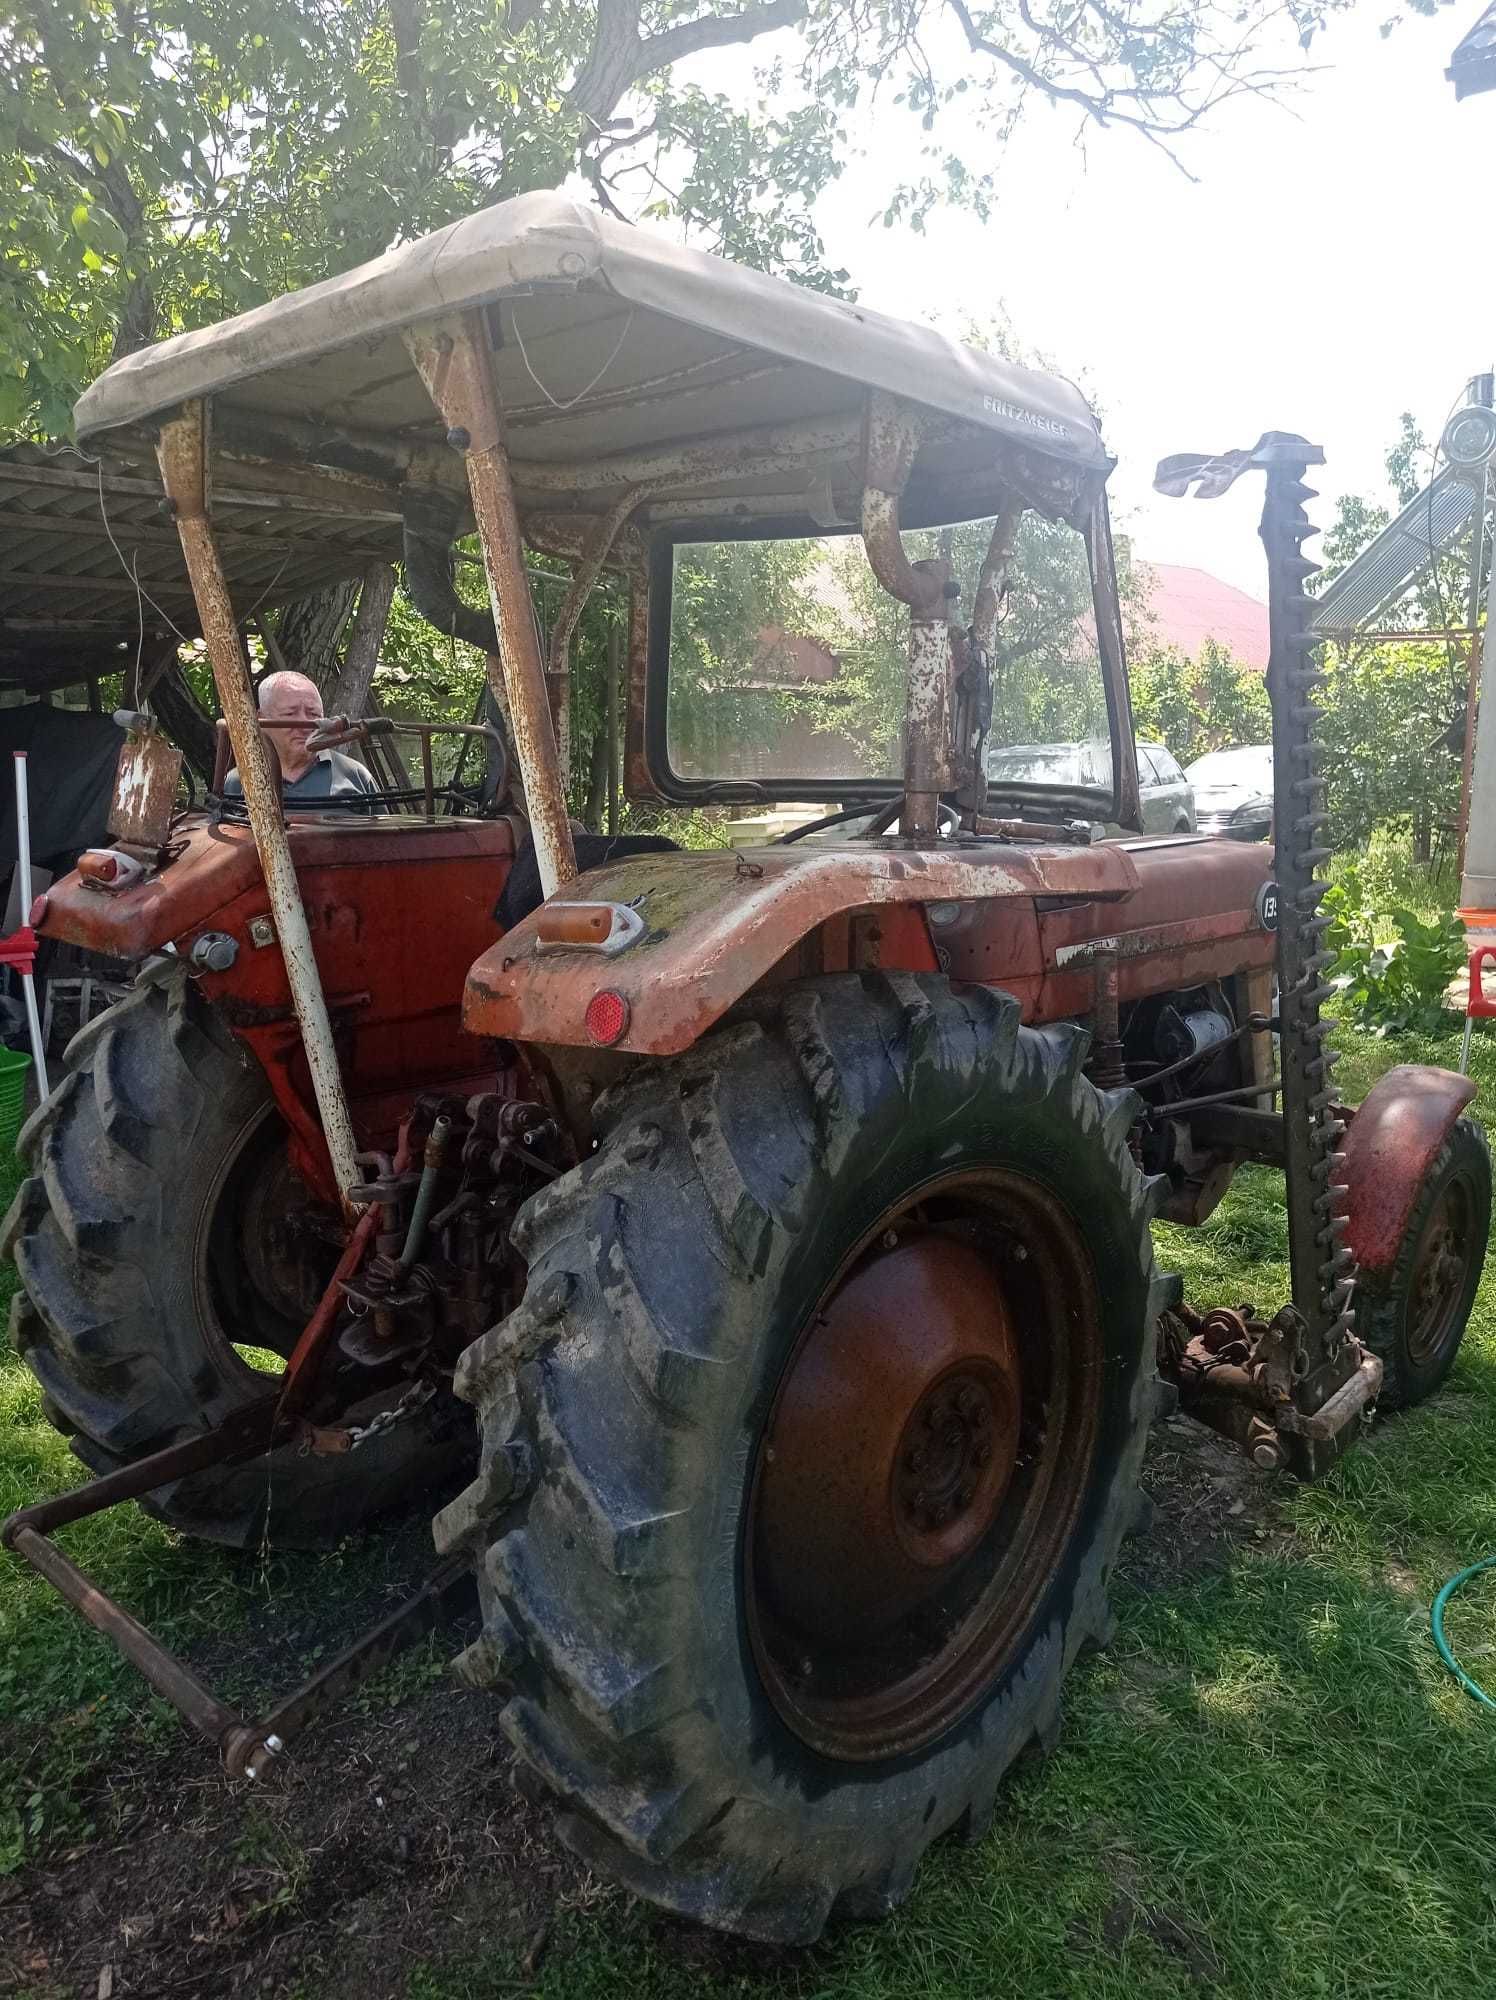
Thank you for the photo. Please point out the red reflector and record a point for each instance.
(607, 1017)
(37, 913)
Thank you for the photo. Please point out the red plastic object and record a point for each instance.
(19, 949)
(607, 1017)
(37, 914)
(1478, 1007)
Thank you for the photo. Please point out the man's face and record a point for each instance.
(293, 699)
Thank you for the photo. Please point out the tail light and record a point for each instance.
(601, 927)
(607, 1017)
(108, 868)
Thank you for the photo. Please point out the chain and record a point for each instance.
(416, 1397)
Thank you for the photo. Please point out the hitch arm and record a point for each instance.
(246, 1747)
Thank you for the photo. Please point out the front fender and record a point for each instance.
(1394, 1138)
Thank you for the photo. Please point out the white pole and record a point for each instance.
(23, 865)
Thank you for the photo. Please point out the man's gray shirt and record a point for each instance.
(330, 775)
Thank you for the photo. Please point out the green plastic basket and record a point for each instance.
(13, 1068)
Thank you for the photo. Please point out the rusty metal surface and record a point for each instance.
(1393, 1140)
(715, 924)
(892, 1443)
(397, 911)
(145, 790)
(165, 1673)
(456, 366)
(182, 451)
(940, 1415)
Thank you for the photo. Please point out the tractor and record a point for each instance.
(748, 1250)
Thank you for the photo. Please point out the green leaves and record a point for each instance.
(1396, 985)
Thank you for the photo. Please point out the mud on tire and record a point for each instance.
(622, 1405)
(130, 1163)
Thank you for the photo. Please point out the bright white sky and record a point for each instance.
(1330, 269)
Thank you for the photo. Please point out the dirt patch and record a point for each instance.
(391, 1841)
(1171, 1929)
(1207, 1501)
(394, 1836)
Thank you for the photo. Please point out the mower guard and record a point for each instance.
(1393, 1139)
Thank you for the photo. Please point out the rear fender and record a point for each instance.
(714, 925)
(1394, 1138)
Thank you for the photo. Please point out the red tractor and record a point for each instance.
(750, 1249)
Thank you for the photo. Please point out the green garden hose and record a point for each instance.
(1436, 1622)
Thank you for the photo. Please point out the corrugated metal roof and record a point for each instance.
(1384, 570)
(90, 566)
(1472, 67)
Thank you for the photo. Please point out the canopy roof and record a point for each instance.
(618, 354)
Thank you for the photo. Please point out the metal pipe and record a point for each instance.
(457, 368)
(611, 723)
(431, 1166)
(23, 884)
(165, 1673)
(182, 453)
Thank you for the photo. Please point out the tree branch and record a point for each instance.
(620, 55)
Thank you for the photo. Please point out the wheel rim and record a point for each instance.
(251, 1291)
(1441, 1272)
(923, 1466)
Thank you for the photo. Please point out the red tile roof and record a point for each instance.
(1188, 606)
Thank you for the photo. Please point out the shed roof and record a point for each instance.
(91, 568)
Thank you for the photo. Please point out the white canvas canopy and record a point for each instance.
(611, 342)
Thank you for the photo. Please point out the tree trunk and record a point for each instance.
(187, 724)
(346, 690)
(597, 781)
(1421, 834)
(310, 629)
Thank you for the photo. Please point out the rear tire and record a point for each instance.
(673, 1278)
(124, 1238)
(1414, 1315)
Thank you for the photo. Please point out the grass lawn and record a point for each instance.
(1268, 1785)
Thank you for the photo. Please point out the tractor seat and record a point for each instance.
(522, 892)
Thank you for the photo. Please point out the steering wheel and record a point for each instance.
(950, 819)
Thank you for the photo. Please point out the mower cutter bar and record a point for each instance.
(247, 1747)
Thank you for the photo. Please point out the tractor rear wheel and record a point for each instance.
(162, 1284)
(829, 1391)
(1414, 1315)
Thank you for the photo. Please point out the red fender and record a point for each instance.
(1393, 1141)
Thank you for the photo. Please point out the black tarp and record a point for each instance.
(71, 759)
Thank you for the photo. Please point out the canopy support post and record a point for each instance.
(454, 361)
(183, 456)
(892, 434)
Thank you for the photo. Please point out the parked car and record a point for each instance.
(1234, 792)
(1168, 802)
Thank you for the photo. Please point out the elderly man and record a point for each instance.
(307, 778)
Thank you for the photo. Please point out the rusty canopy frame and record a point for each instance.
(453, 356)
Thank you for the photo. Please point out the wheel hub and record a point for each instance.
(893, 1441)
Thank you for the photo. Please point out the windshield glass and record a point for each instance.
(1252, 766)
(788, 661)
